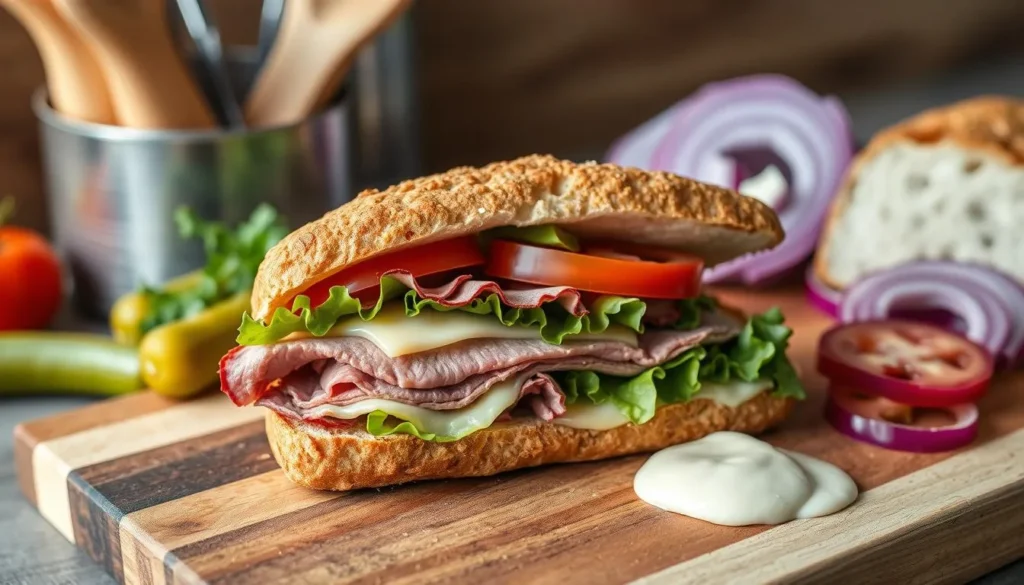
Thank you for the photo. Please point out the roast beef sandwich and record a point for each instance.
(523, 313)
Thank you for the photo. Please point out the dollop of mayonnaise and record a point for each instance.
(734, 479)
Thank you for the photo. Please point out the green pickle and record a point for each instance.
(44, 362)
(180, 359)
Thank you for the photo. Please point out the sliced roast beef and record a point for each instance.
(661, 313)
(343, 370)
(544, 396)
(462, 290)
(538, 391)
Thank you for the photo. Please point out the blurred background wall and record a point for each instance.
(498, 79)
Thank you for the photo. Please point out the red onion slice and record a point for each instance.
(636, 149)
(858, 418)
(990, 305)
(768, 112)
(820, 295)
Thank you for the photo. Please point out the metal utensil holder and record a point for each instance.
(112, 191)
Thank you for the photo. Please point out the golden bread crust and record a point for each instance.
(327, 459)
(598, 199)
(993, 125)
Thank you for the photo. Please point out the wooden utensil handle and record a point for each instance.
(288, 88)
(318, 43)
(151, 86)
(75, 83)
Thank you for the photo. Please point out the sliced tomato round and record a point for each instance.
(908, 362)
(612, 270)
(363, 279)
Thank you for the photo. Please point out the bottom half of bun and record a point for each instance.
(350, 458)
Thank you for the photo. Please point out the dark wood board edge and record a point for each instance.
(24, 444)
(96, 524)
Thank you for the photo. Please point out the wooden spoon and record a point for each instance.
(316, 45)
(74, 81)
(150, 84)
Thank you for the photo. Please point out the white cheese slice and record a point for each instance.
(396, 334)
(734, 393)
(484, 411)
(595, 417)
(448, 423)
(601, 417)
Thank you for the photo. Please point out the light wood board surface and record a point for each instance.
(164, 492)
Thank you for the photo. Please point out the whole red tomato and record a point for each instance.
(30, 278)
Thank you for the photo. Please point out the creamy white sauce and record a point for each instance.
(734, 479)
(601, 417)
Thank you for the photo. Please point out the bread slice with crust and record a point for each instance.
(592, 199)
(947, 184)
(344, 459)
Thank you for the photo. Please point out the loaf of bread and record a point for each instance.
(947, 184)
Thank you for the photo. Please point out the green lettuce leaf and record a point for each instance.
(690, 311)
(554, 322)
(377, 425)
(759, 351)
(548, 236)
(639, 396)
(317, 320)
(232, 258)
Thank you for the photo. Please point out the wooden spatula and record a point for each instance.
(316, 45)
(149, 83)
(73, 78)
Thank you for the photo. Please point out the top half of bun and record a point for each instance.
(590, 199)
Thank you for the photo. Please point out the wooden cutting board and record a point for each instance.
(163, 492)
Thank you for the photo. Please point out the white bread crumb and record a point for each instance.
(938, 202)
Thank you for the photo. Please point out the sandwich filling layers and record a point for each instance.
(440, 363)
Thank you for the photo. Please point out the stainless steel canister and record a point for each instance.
(113, 191)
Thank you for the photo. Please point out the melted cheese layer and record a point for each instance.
(397, 335)
(446, 423)
(601, 417)
(484, 411)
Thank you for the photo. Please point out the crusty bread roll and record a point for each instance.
(596, 199)
(946, 184)
(344, 459)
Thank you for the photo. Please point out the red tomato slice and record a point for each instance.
(363, 279)
(677, 276)
(907, 362)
